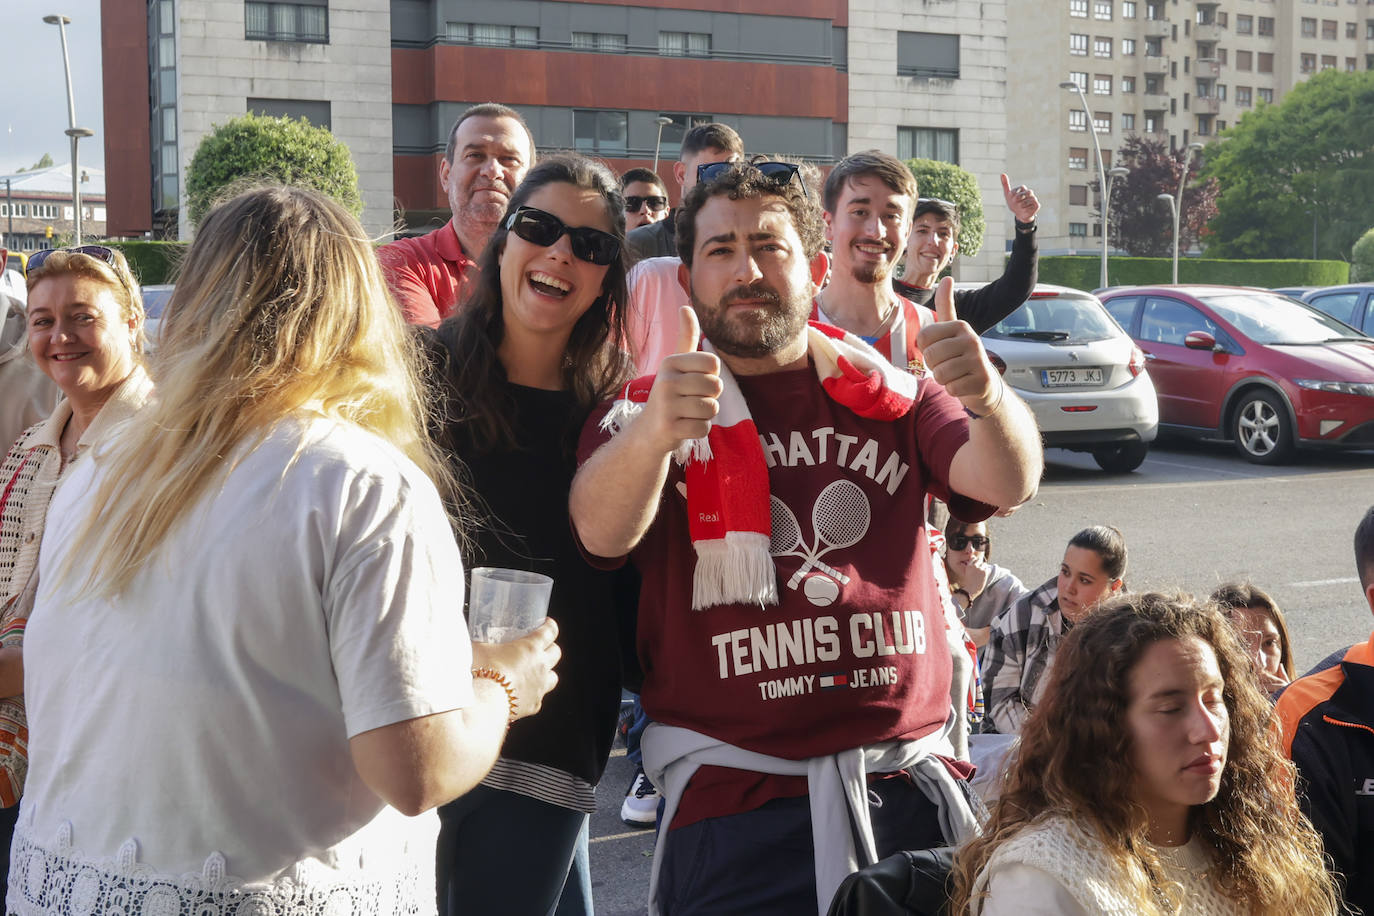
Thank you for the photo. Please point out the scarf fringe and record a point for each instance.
(622, 414)
(734, 569)
(693, 450)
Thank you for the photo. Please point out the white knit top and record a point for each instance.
(1054, 867)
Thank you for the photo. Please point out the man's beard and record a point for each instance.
(869, 274)
(761, 333)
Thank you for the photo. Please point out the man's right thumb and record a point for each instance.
(689, 331)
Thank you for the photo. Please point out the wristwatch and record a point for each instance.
(1024, 227)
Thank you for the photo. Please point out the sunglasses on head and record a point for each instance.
(939, 202)
(779, 172)
(544, 229)
(39, 258)
(656, 203)
(960, 541)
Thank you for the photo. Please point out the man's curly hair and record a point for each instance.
(744, 182)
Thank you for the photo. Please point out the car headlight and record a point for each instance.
(1364, 388)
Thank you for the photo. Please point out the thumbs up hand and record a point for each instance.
(683, 399)
(1021, 200)
(954, 355)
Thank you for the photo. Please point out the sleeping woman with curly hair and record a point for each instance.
(1147, 782)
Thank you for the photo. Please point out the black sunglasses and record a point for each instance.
(656, 203)
(779, 172)
(39, 258)
(960, 541)
(544, 229)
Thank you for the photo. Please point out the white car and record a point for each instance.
(155, 299)
(1080, 373)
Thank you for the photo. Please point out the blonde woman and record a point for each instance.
(247, 670)
(83, 331)
(1147, 782)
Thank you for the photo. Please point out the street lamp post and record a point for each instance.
(1178, 198)
(1173, 209)
(74, 132)
(662, 122)
(1101, 170)
(1118, 172)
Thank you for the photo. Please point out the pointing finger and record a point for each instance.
(1006, 185)
(689, 331)
(944, 301)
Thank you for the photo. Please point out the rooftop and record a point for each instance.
(56, 179)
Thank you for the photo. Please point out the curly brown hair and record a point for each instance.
(744, 182)
(1074, 761)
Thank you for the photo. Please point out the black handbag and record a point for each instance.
(913, 883)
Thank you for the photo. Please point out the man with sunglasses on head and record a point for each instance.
(490, 149)
(703, 144)
(769, 485)
(934, 243)
(646, 200)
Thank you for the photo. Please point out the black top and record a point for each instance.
(656, 240)
(985, 306)
(521, 496)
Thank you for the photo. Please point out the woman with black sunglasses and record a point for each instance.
(524, 361)
(981, 590)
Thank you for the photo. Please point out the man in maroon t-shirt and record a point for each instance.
(489, 151)
(852, 655)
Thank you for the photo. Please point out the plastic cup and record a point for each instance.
(505, 604)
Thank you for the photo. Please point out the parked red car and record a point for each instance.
(1251, 366)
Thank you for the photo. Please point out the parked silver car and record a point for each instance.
(1081, 375)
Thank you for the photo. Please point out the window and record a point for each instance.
(1204, 125)
(1102, 123)
(605, 42)
(1127, 121)
(1102, 9)
(306, 21)
(1078, 195)
(938, 143)
(599, 132)
(1309, 28)
(1077, 119)
(1079, 79)
(1128, 84)
(1221, 91)
(1102, 84)
(316, 113)
(1078, 9)
(1221, 56)
(1152, 124)
(1309, 63)
(1102, 47)
(1350, 65)
(1265, 95)
(494, 36)
(1127, 47)
(928, 54)
(1127, 9)
(1328, 30)
(684, 44)
(1154, 84)
(1169, 321)
(1078, 230)
(1245, 25)
(1243, 60)
(1369, 29)
(1154, 47)
(1328, 62)
(1078, 157)
(670, 144)
(1266, 26)
(1340, 306)
(1078, 45)
(1265, 64)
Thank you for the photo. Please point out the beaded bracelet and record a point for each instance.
(492, 674)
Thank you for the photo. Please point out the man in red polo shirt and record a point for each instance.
(489, 151)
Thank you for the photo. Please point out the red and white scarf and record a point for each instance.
(731, 536)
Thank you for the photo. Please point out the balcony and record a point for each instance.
(1154, 101)
(1206, 68)
(1206, 105)
(1159, 64)
(1158, 28)
(1208, 31)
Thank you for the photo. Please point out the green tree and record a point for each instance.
(43, 163)
(254, 148)
(1285, 168)
(958, 186)
(1362, 259)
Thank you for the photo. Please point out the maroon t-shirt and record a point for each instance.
(854, 652)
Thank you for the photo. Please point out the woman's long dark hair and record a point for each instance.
(594, 366)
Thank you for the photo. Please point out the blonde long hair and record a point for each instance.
(280, 308)
(1074, 761)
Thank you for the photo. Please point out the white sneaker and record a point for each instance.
(640, 808)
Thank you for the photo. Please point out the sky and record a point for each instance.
(35, 113)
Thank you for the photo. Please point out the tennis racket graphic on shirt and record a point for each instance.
(786, 541)
(840, 518)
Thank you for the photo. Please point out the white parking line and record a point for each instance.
(1198, 467)
(1317, 583)
(646, 832)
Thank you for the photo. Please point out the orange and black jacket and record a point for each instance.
(1327, 719)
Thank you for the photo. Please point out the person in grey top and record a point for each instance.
(981, 590)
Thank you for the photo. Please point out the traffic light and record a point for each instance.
(49, 233)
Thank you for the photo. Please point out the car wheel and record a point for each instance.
(1120, 457)
(1261, 428)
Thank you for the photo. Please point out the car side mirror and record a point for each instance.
(1200, 340)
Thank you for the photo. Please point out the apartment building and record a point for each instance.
(1174, 70)
(36, 206)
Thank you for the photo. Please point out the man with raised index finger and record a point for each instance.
(789, 629)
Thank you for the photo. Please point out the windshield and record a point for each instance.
(1056, 319)
(1269, 319)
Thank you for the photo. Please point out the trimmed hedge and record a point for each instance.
(152, 262)
(1080, 272)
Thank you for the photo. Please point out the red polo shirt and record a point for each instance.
(426, 274)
